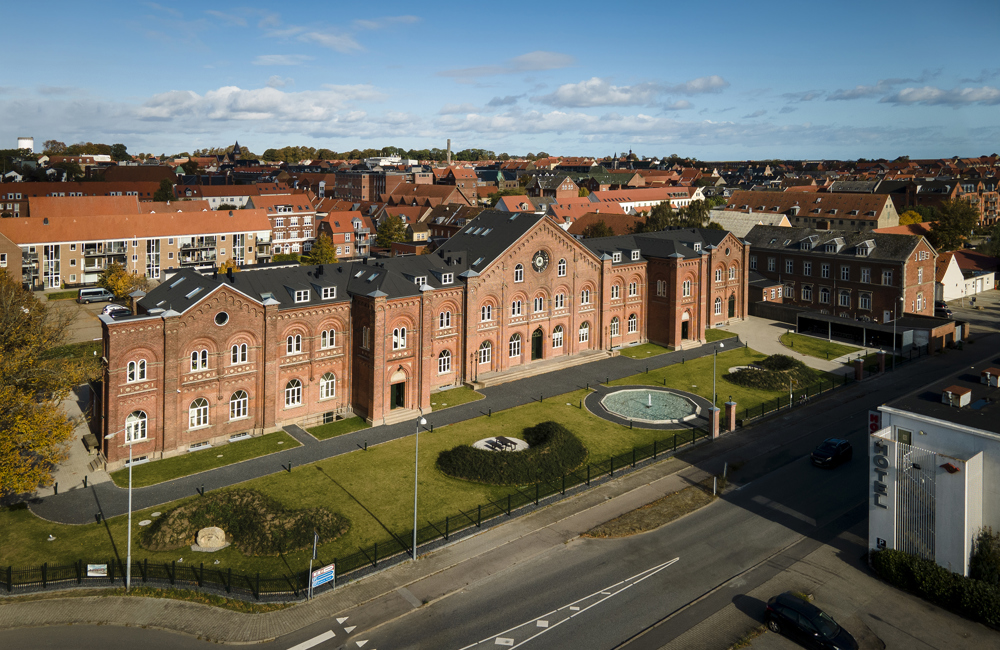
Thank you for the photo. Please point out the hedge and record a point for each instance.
(772, 373)
(552, 453)
(968, 597)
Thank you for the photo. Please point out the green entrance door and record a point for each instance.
(536, 344)
(397, 399)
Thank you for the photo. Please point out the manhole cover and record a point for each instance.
(156, 514)
(145, 522)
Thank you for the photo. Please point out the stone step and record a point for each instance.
(395, 416)
(541, 367)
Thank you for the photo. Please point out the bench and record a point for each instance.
(506, 443)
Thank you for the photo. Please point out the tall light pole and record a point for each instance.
(715, 395)
(416, 458)
(896, 309)
(128, 560)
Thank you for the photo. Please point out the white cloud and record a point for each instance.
(281, 59)
(598, 92)
(530, 62)
(274, 81)
(881, 87)
(711, 84)
(337, 41)
(930, 95)
(679, 105)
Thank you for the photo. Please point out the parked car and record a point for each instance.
(87, 296)
(940, 304)
(804, 622)
(832, 452)
(115, 310)
(942, 312)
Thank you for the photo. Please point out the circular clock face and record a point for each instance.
(540, 260)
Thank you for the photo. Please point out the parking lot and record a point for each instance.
(84, 325)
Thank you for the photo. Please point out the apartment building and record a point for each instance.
(349, 231)
(857, 275)
(821, 210)
(293, 221)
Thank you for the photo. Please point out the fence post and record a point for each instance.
(588, 474)
(611, 471)
(45, 574)
(10, 578)
(79, 571)
(536, 494)
(447, 521)
(229, 580)
(563, 484)
(257, 595)
(201, 575)
(508, 505)
(654, 450)
(145, 569)
(479, 516)
(173, 571)
(111, 571)
(375, 553)
(675, 443)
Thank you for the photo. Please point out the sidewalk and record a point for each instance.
(103, 496)
(437, 574)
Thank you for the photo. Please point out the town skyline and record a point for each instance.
(572, 81)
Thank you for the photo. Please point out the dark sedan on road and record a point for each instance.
(832, 452)
(792, 616)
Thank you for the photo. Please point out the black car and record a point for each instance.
(942, 312)
(832, 452)
(809, 625)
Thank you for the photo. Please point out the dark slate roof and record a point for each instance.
(888, 247)
(486, 237)
(666, 243)
(983, 413)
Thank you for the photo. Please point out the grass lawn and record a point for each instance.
(77, 351)
(454, 397)
(372, 488)
(712, 335)
(643, 351)
(338, 428)
(816, 347)
(62, 295)
(204, 459)
(695, 376)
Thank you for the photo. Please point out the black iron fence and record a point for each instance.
(293, 585)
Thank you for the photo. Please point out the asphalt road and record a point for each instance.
(639, 592)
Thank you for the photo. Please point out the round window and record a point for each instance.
(221, 318)
(727, 251)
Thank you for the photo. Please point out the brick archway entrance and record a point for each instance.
(537, 339)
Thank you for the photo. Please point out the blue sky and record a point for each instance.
(719, 81)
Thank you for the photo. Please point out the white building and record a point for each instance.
(952, 283)
(934, 468)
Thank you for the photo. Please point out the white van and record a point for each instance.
(87, 296)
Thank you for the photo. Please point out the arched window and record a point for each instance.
(199, 360)
(633, 324)
(518, 273)
(560, 300)
(718, 275)
(293, 393)
(824, 295)
(485, 352)
(486, 313)
(238, 405)
(585, 297)
(584, 332)
(561, 268)
(539, 304)
(135, 426)
(198, 413)
(614, 326)
(661, 288)
(633, 289)
(327, 339)
(732, 272)
(399, 338)
(616, 291)
(718, 306)
(136, 370)
(238, 353)
(557, 337)
(327, 386)
(444, 362)
(515, 308)
(845, 299)
(444, 320)
(293, 344)
(686, 289)
(514, 347)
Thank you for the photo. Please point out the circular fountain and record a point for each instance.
(651, 405)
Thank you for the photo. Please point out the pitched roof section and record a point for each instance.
(886, 246)
(486, 237)
(149, 207)
(81, 206)
(686, 243)
(818, 205)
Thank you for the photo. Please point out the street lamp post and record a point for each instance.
(416, 457)
(715, 395)
(128, 559)
(896, 309)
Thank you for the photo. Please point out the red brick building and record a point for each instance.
(209, 358)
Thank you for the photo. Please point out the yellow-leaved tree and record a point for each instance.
(120, 282)
(910, 217)
(33, 381)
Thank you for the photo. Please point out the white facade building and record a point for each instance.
(934, 469)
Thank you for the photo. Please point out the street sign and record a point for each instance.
(97, 570)
(324, 575)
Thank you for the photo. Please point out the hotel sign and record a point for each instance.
(880, 460)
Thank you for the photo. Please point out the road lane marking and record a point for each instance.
(315, 641)
(342, 619)
(774, 505)
(409, 597)
(350, 628)
(518, 635)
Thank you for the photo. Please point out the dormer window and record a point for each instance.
(697, 246)
(616, 257)
(635, 255)
(329, 292)
(301, 295)
(420, 280)
(447, 278)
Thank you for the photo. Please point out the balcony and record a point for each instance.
(94, 269)
(198, 259)
(197, 244)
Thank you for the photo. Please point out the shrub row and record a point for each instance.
(553, 452)
(970, 598)
(772, 373)
(255, 524)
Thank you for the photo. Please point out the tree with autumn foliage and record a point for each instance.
(33, 381)
(120, 282)
(391, 230)
(322, 251)
(910, 217)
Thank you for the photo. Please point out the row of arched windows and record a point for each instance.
(519, 270)
(538, 305)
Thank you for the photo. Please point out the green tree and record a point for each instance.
(599, 229)
(166, 191)
(227, 206)
(120, 282)
(322, 251)
(910, 217)
(955, 223)
(191, 167)
(120, 152)
(695, 215)
(495, 197)
(984, 564)
(389, 231)
(659, 218)
(583, 193)
(73, 170)
(33, 382)
(53, 147)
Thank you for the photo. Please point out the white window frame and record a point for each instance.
(515, 308)
(560, 300)
(136, 426)
(615, 326)
(329, 292)
(519, 273)
(327, 339)
(301, 295)
(616, 291)
(238, 354)
(557, 337)
(686, 289)
(538, 305)
(238, 405)
(585, 297)
(485, 352)
(486, 313)
(293, 393)
(328, 386)
(718, 306)
(561, 268)
(198, 414)
(199, 360)
(514, 346)
(585, 332)
(633, 289)
(444, 320)
(399, 338)
(444, 362)
(632, 324)
(293, 344)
